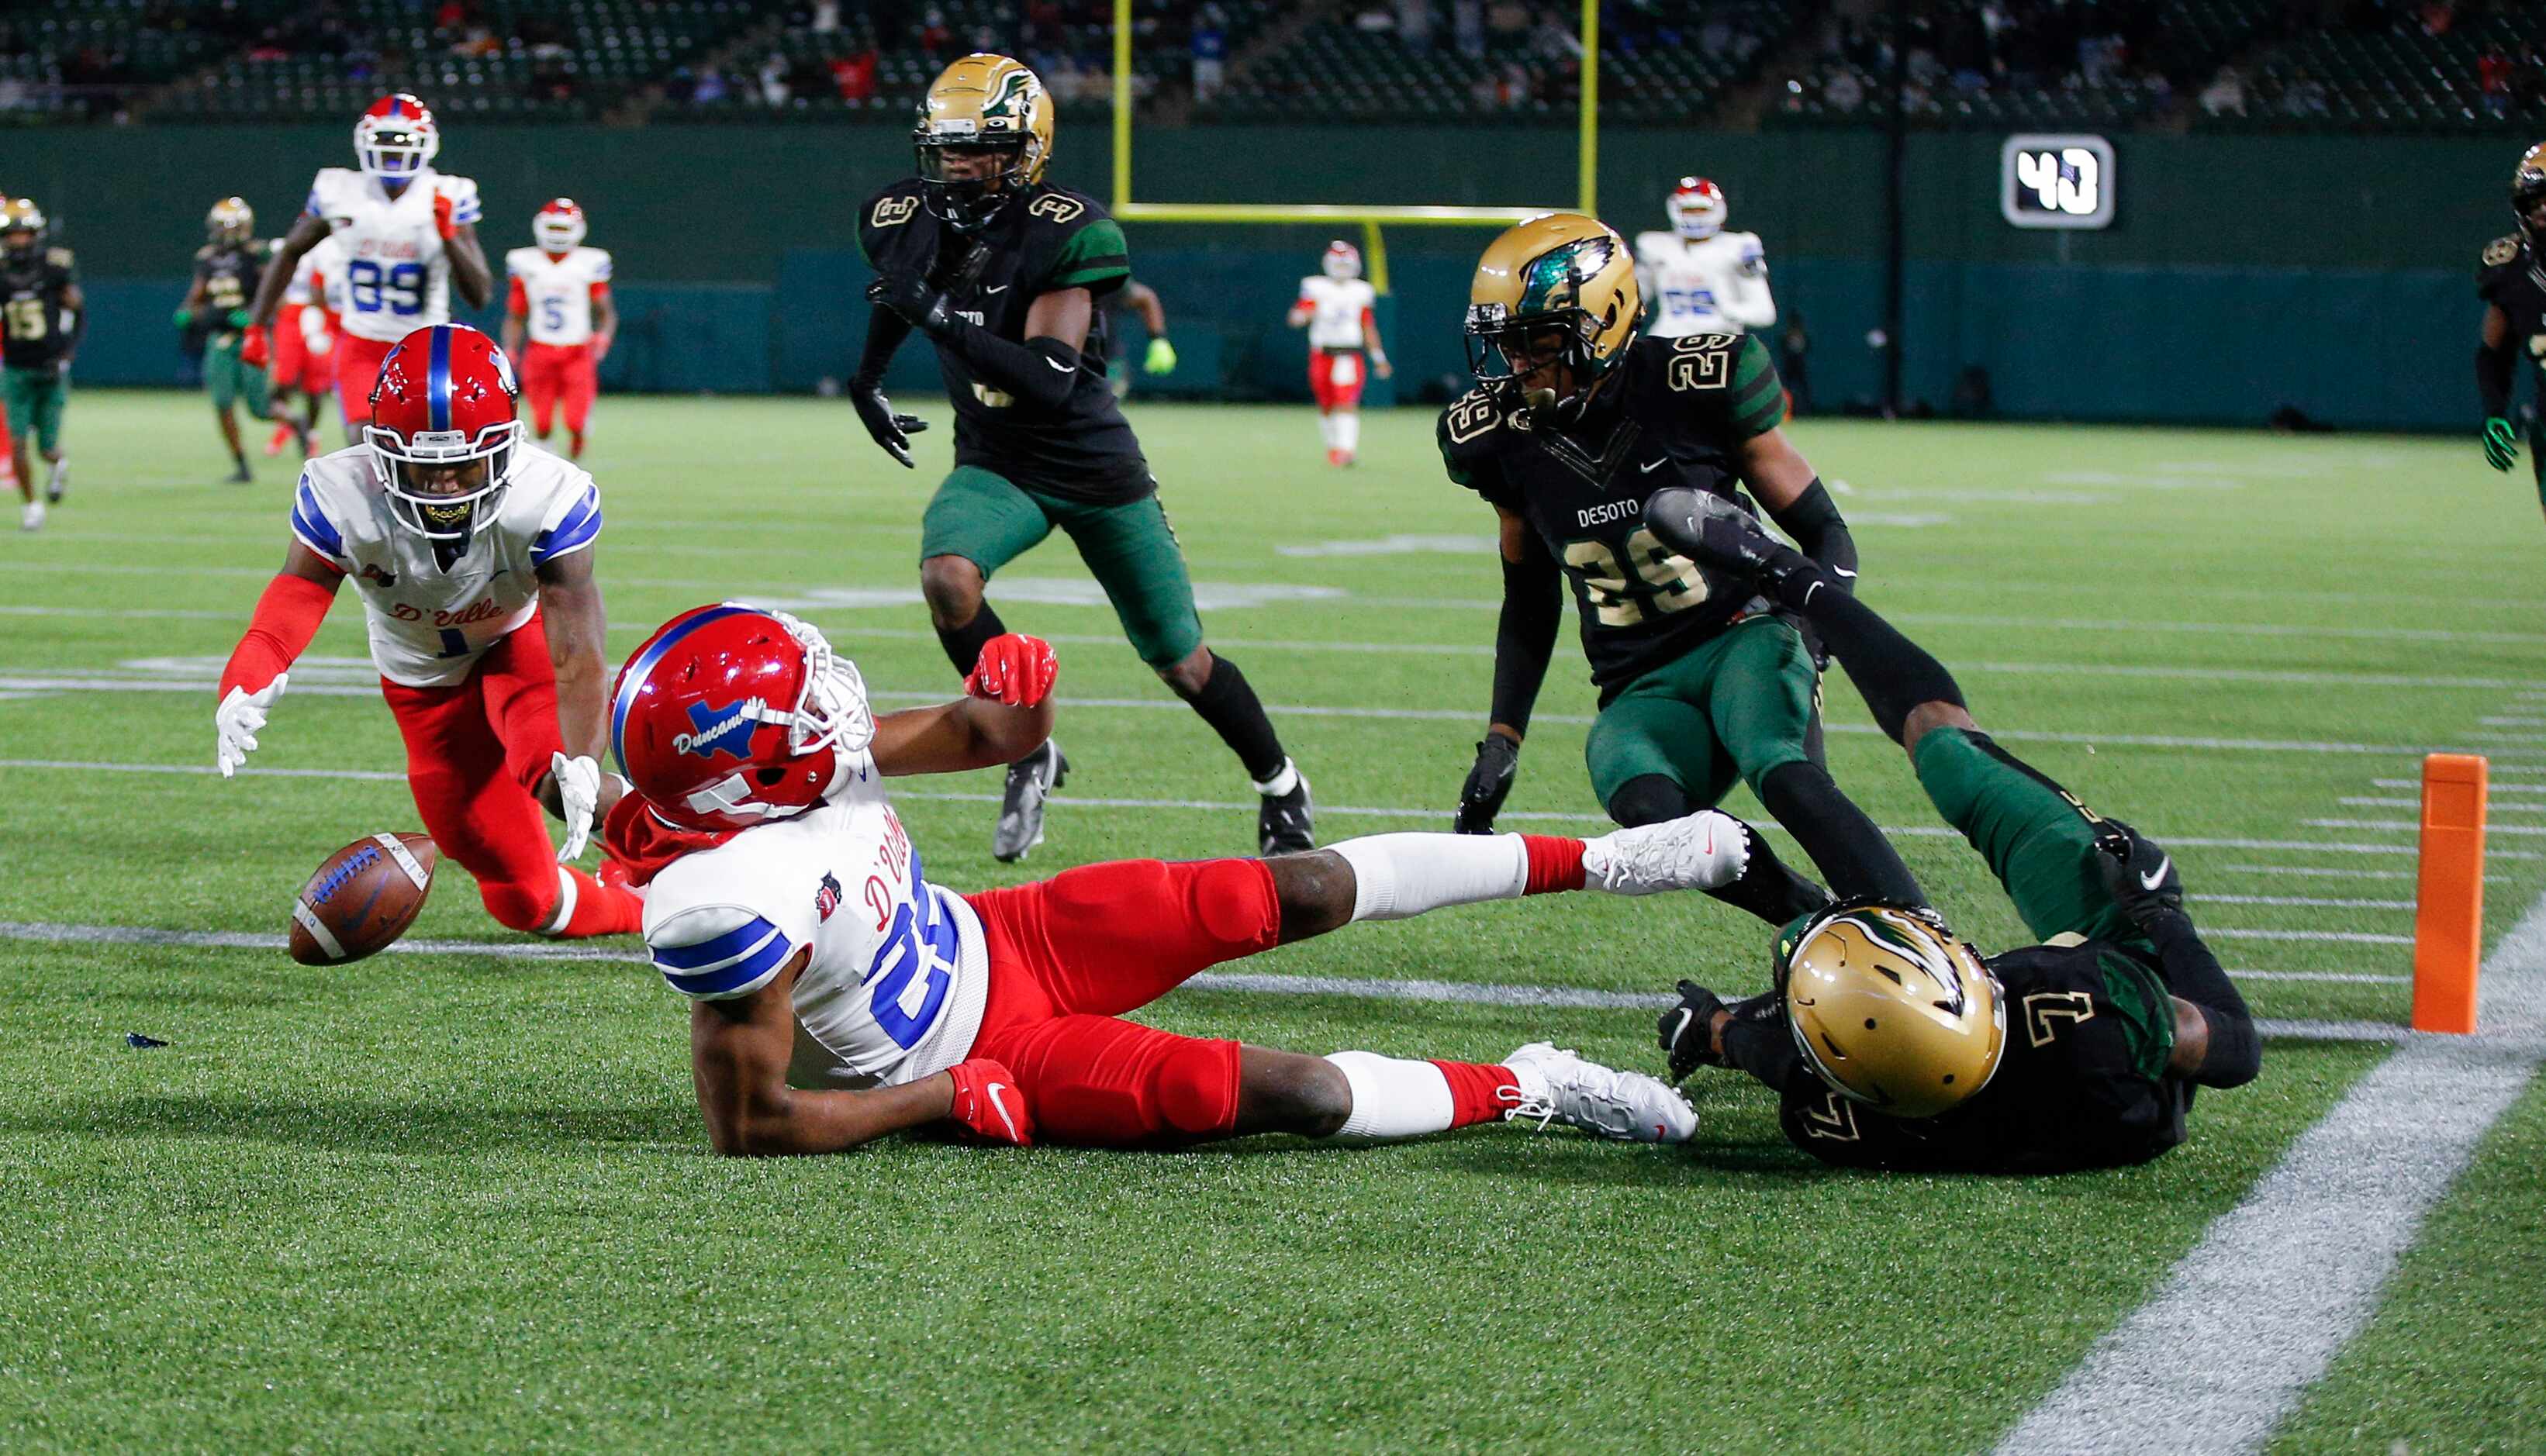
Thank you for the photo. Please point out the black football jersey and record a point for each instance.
(2082, 1082)
(35, 324)
(229, 273)
(2512, 279)
(1677, 414)
(1052, 239)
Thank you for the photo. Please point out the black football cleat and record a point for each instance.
(1031, 780)
(1285, 823)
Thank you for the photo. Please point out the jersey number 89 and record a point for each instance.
(1664, 581)
(399, 287)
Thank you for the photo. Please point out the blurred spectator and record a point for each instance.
(2493, 79)
(710, 87)
(855, 75)
(1844, 93)
(1467, 27)
(774, 90)
(1210, 53)
(1506, 21)
(1414, 24)
(826, 17)
(933, 34)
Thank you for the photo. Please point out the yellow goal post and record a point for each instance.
(1372, 217)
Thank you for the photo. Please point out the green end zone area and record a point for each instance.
(465, 1199)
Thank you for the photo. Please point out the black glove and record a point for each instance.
(909, 294)
(1688, 1030)
(1488, 783)
(888, 429)
(2137, 873)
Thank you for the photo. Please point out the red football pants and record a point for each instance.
(1068, 954)
(1335, 378)
(358, 369)
(474, 754)
(554, 373)
(290, 366)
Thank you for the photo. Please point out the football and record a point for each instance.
(362, 898)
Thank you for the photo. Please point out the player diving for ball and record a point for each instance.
(1574, 421)
(1892, 1043)
(472, 550)
(1001, 270)
(837, 995)
(2512, 285)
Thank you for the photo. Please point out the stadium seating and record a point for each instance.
(2398, 77)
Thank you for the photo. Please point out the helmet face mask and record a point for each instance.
(21, 227)
(2528, 195)
(1552, 311)
(560, 226)
(232, 220)
(1697, 208)
(396, 138)
(981, 138)
(1891, 1009)
(445, 432)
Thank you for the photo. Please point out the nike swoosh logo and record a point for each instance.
(992, 1092)
(1685, 1016)
(2156, 877)
(1058, 366)
(1843, 571)
(1650, 466)
(1002, 289)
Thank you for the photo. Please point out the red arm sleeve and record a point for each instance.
(601, 290)
(286, 617)
(516, 302)
(1370, 329)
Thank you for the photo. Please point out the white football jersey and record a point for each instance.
(299, 290)
(1704, 285)
(1336, 308)
(397, 279)
(557, 292)
(893, 988)
(326, 265)
(429, 626)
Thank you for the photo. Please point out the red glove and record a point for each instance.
(988, 1103)
(442, 215)
(252, 347)
(1013, 668)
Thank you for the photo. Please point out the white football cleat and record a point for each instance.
(33, 517)
(1560, 1086)
(1704, 851)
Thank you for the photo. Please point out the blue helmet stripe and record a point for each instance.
(633, 679)
(437, 385)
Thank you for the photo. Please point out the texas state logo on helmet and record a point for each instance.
(732, 715)
(1697, 208)
(1342, 261)
(558, 225)
(444, 426)
(396, 137)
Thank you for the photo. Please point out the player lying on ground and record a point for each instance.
(472, 550)
(1574, 421)
(838, 995)
(1892, 1042)
(2512, 285)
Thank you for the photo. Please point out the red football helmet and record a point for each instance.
(1696, 208)
(396, 137)
(444, 427)
(558, 225)
(733, 715)
(1342, 260)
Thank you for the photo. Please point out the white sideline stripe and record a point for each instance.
(2408, 826)
(2319, 900)
(2328, 937)
(2254, 1315)
(1473, 993)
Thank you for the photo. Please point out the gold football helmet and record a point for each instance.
(1890, 1008)
(2528, 194)
(982, 104)
(22, 225)
(232, 220)
(1552, 309)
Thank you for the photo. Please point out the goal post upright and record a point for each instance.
(1372, 218)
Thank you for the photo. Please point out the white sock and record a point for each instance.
(1397, 876)
(558, 921)
(1391, 1097)
(1327, 430)
(1282, 782)
(1349, 431)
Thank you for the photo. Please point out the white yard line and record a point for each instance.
(2227, 1347)
(2315, 901)
(2407, 826)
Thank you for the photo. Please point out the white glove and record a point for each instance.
(313, 329)
(578, 783)
(236, 721)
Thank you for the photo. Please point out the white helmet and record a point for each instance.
(396, 137)
(558, 225)
(1696, 208)
(1342, 260)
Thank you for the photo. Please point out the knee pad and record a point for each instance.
(1649, 798)
(542, 911)
(1195, 1088)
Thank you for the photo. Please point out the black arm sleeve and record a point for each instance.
(2236, 1053)
(1812, 519)
(1763, 1047)
(1525, 634)
(1041, 370)
(885, 330)
(2494, 369)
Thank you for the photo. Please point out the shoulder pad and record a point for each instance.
(203, 254)
(2500, 251)
(58, 257)
(515, 259)
(716, 952)
(890, 208)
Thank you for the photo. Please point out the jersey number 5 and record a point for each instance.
(1664, 581)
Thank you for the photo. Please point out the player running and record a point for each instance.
(42, 316)
(1574, 421)
(1338, 308)
(1001, 270)
(235, 350)
(2512, 285)
(302, 369)
(472, 551)
(560, 293)
(409, 236)
(1892, 1042)
(837, 995)
(1140, 299)
(1700, 279)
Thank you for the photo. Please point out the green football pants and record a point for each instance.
(990, 521)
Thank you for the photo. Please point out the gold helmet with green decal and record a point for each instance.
(22, 226)
(2528, 194)
(1890, 1008)
(232, 220)
(983, 137)
(1551, 310)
